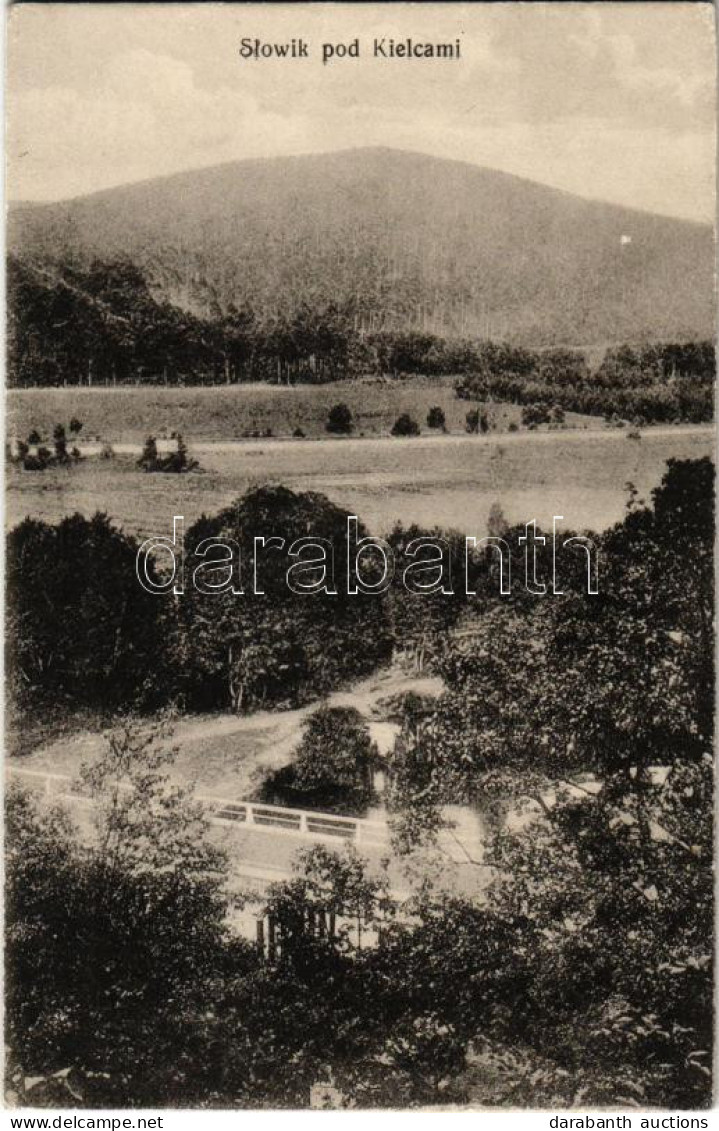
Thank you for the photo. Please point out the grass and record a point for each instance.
(449, 482)
(230, 412)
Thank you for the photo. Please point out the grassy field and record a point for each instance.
(230, 413)
(445, 481)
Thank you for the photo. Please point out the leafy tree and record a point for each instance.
(82, 630)
(274, 645)
(178, 461)
(404, 425)
(421, 620)
(337, 887)
(138, 908)
(336, 754)
(148, 461)
(599, 871)
(622, 924)
(60, 443)
(339, 420)
(535, 414)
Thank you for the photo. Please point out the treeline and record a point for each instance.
(661, 383)
(85, 633)
(102, 325)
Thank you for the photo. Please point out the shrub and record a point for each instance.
(332, 766)
(60, 443)
(148, 459)
(339, 420)
(534, 414)
(404, 425)
(477, 421)
(436, 418)
(175, 463)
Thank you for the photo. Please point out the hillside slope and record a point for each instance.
(402, 240)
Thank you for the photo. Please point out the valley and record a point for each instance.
(434, 480)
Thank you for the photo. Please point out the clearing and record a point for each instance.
(230, 412)
(448, 481)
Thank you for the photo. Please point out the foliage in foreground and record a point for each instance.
(581, 976)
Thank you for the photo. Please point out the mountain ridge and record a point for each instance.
(400, 239)
(367, 150)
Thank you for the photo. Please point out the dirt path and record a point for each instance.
(229, 755)
(368, 444)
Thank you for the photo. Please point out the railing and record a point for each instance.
(60, 787)
(249, 814)
(301, 822)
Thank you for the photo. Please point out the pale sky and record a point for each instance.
(611, 101)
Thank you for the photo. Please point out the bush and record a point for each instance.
(332, 766)
(83, 630)
(339, 420)
(175, 462)
(37, 462)
(534, 414)
(60, 443)
(477, 422)
(404, 425)
(148, 459)
(298, 434)
(436, 418)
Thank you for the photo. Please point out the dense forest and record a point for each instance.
(399, 241)
(103, 326)
(660, 383)
(580, 977)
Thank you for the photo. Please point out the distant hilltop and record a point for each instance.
(400, 240)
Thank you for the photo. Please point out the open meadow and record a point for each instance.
(221, 412)
(447, 481)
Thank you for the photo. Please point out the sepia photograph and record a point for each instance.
(359, 559)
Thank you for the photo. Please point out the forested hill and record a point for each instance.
(396, 241)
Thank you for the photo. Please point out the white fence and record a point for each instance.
(241, 814)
